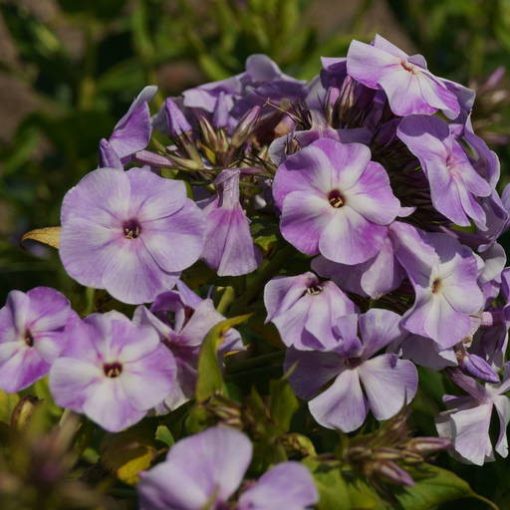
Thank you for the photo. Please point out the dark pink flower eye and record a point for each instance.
(112, 370)
(132, 229)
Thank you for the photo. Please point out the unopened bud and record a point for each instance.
(428, 445)
(245, 126)
(222, 109)
(227, 411)
(359, 453)
(176, 122)
(297, 443)
(152, 159)
(387, 454)
(392, 473)
(412, 458)
(477, 367)
(208, 133)
(187, 164)
(23, 411)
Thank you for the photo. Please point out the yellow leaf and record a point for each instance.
(128, 453)
(47, 235)
(128, 472)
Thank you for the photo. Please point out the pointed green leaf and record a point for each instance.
(435, 486)
(210, 377)
(282, 405)
(332, 488)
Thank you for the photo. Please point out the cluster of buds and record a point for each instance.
(387, 455)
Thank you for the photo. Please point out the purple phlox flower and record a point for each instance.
(484, 160)
(182, 319)
(493, 260)
(33, 332)
(467, 418)
(287, 485)
(505, 205)
(205, 97)
(465, 97)
(205, 470)
(361, 380)
(332, 77)
(444, 276)
(112, 370)
(305, 310)
(131, 134)
(426, 353)
(497, 222)
(344, 102)
(129, 233)
(491, 339)
(226, 101)
(374, 278)
(171, 119)
(455, 185)
(152, 159)
(475, 366)
(263, 81)
(301, 139)
(228, 246)
(335, 201)
(410, 87)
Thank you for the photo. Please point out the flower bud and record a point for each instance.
(477, 367)
(176, 123)
(428, 445)
(152, 159)
(245, 126)
(23, 411)
(392, 473)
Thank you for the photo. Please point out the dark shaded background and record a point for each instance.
(70, 68)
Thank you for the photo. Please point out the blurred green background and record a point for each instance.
(69, 69)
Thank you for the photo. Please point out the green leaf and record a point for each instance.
(164, 435)
(8, 402)
(333, 493)
(210, 377)
(282, 405)
(435, 486)
(363, 497)
(128, 453)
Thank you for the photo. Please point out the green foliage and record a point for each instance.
(128, 453)
(210, 378)
(330, 483)
(435, 486)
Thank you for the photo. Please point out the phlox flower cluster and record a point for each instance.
(372, 175)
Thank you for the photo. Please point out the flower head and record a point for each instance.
(205, 470)
(359, 380)
(467, 419)
(444, 275)
(455, 184)
(33, 332)
(410, 87)
(113, 371)
(228, 246)
(129, 233)
(182, 320)
(131, 134)
(305, 310)
(335, 201)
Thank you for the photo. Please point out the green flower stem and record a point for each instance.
(259, 281)
(226, 300)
